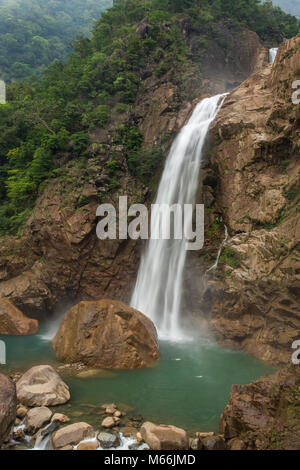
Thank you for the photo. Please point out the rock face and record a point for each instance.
(13, 322)
(59, 257)
(164, 437)
(8, 407)
(252, 180)
(106, 334)
(42, 386)
(266, 413)
(72, 435)
(36, 418)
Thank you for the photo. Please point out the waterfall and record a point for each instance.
(273, 54)
(158, 288)
(215, 265)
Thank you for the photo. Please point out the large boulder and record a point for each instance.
(71, 435)
(13, 322)
(160, 437)
(8, 407)
(106, 334)
(42, 386)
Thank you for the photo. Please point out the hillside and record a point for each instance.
(36, 32)
(135, 47)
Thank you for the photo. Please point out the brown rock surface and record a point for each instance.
(13, 322)
(72, 435)
(254, 180)
(265, 414)
(8, 407)
(42, 386)
(161, 437)
(36, 418)
(106, 334)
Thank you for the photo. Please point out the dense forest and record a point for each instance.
(35, 32)
(49, 118)
(290, 6)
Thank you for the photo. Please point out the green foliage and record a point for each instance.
(229, 257)
(36, 32)
(53, 115)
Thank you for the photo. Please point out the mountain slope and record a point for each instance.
(36, 32)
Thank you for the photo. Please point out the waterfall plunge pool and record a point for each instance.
(189, 387)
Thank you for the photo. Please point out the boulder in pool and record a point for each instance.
(160, 437)
(106, 334)
(72, 435)
(13, 322)
(42, 386)
(8, 407)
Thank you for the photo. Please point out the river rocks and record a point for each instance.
(160, 437)
(18, 435)
(36, 418)
(42, 386)
(265, 414)
(106, 334)
(22, 411)
(59, 418)
(13, 322)
(108, 440)
(196, 444)
(72, 435)
(214, 443)
(8, 405)
(109, 422)
(89, 445)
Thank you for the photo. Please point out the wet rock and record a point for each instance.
(22, 411)
(108, 422)
(42, 386)
(108, 440)
(106, 334)
(263, 414)
(13, 322)
(36, 418)
(135, 445)
(196, 444)
(236, 444)
(214, 443)
(160, 437)
(19, 435)
(50, 428)
(91, 445)
(60, 418)
(202, 435)
(8, 407)
(71, 435)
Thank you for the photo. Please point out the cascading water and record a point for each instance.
(215, 265)
(158, 288)
(273, 54)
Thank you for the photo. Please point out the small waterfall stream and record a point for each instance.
(158, 288)
(273, 54)
(215, 265)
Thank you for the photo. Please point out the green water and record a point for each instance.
(188, 388)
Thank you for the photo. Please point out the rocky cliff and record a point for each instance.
(252, 181)
(59, 259)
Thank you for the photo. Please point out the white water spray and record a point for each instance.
(273, 54)
(158, 289)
